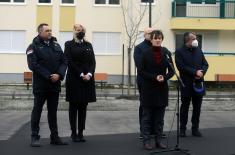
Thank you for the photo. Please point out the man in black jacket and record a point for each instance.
(46, 61)
(139, 49)
(192, 67)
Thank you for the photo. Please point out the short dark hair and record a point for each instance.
(156, 34)
(186, 36)
(40, 26)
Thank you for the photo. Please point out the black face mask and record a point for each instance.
(80, 35)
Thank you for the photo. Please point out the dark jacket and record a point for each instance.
(139, 49)
(188, 61)
(155, 94)
(81, 59)
(44, 60)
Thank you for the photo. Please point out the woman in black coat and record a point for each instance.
(156, 70)
(80, 84)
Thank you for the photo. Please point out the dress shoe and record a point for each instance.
(35, 141)
(56, 140)
(147, 146)
(183, 133)
(81, 138)
(74, 138)
(164, 135)
(160, 145)
(140, 136)
(196, 133)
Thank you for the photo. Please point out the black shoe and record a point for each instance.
(160, 145)
(164, 135)
(74, 138)
(81, 138)
(56, 140)
(140, 136)
(35, 141)
(147, 146)
(183, 133)
(196, 133)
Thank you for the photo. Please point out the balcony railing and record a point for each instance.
(203, 8)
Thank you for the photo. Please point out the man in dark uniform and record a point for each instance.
(192, 67)
(46, 60)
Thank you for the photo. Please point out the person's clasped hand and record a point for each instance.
(86, 77)
(160, 78)
(54, 77)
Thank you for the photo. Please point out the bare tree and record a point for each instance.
(133, 14)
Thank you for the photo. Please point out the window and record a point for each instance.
(146, 1)
(107, 2)
(12, 1)
(12, 41)
(210, 1)
(180, 10)
(180, 40)
(196, 1)
(16, 1)
(63, 37)
(106, 42)
(44, 1)
(67, 1)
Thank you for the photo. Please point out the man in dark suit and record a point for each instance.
(46, 60)
(192, 67)
(139, 49)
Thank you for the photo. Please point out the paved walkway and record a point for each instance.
(114, 132)
(105, 122)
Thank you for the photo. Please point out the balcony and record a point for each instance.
(203, 14)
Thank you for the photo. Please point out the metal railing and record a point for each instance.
(203, 8)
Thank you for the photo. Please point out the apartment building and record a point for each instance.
(213, 21)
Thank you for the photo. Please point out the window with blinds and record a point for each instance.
(12, 41)
(107, 43)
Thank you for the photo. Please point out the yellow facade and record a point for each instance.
(44, 15)
(110, 19)
(67, 18)
(219, 65)
(202, 24)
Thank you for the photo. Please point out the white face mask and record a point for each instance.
(195, 43)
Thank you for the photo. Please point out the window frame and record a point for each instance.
(68, 4)
(107, 4)
(105, 52)
(147, 3)
(13, 3)
(44, 3)
(11, 51)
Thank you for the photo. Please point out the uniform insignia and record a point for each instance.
(30, 51)
(55, 42)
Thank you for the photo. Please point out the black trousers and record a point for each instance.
(155, 116)
(52, 105)
(141, 111)
(196, 102)
(140, 107)
(77, 116)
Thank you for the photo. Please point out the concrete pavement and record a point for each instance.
(106, 122)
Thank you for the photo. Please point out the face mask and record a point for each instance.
(195, 43)
(80, 35)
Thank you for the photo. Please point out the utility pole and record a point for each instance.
(150, 13)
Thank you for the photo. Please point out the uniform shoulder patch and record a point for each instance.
(29, 51)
